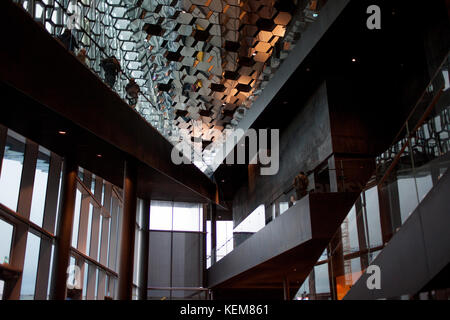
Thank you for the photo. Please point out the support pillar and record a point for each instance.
(143, 280)
(127, 233)
(286, 289)
(64, 230)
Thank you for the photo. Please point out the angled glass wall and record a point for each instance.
(28, 214)
(404, 175)
(30, 188)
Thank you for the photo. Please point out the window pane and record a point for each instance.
(424, 185)
(321, 277)
(100, 232)
(96, 284)
(103, 194)
(407, 196)
(161, 215)
(137, 245)
(50, 272)
(283, 207)
(6, 232)
(76, 219)
(80, 173)
(93, 184)
(2, 285)
(88, 233)
(59, 198)
(303, 291)
(224, 230)
(11, 170)
(186, 217)
(85, 280)
(350, 233)
(30, 267)
(254, 222)
(373, 217)
(40, 186)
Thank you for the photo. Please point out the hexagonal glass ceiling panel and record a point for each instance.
(200, 64)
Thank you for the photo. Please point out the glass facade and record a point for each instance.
(28, 203)
(160, 46)
(6, 230)
(29, 273)
(30, 187)
(95, 233)
(12, 170)
(225, 238)
(229, 236)
(40, 186)
(404, 175)
(177, 252)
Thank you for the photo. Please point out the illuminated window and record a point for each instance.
(161, 215)
(30, 267)
(224, 231)
(187, 217)
(12, 170)
(6, 232)
(176, 216)
(254, 222)
(40, 186)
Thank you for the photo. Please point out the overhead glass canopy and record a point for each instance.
(200, 64)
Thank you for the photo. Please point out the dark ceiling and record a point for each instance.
(386, 79)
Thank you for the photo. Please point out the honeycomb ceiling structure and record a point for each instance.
(200, 64)
(204, 62)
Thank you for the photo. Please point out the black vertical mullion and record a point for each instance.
(51, 195)
(27, 179)
(3, 135)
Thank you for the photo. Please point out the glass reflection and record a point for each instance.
(30, 267)
(6, 232)
(11, 170)
(40, 186)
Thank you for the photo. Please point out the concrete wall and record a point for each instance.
(304, 144)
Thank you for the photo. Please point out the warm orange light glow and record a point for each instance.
(345, 282)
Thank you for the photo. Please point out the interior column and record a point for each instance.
(128, 227)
